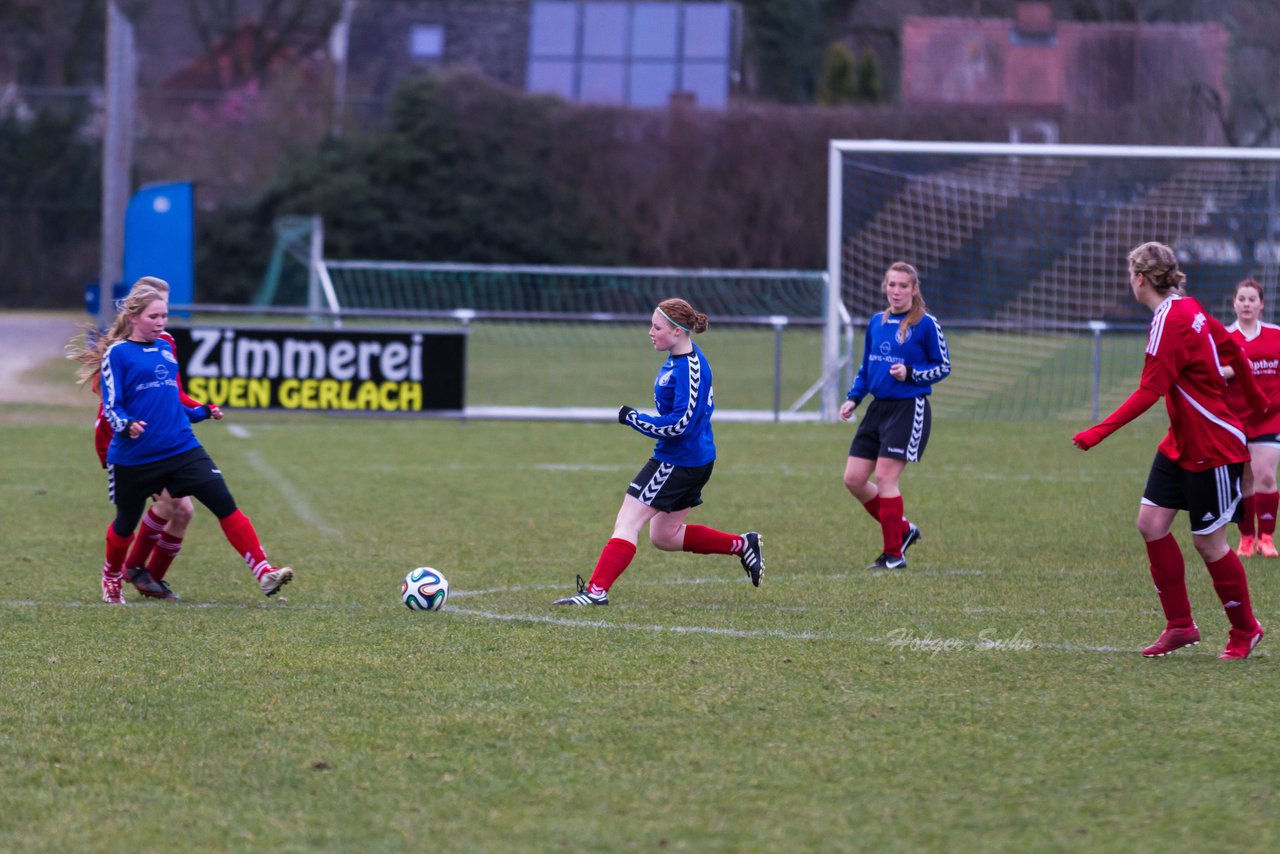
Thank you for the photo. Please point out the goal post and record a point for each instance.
(1022, 250)
(567, 342)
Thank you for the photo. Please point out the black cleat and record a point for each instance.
(752, 558)
(886, 561)
(140, 578)
(910, 538)
(584, 596)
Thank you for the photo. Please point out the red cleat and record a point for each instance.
(1247, 544)
(1240, 644)
(1267, 546)
(1172, 639)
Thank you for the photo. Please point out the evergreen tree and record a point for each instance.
(838, 82)
(869, 88)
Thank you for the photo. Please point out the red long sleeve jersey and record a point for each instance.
(1263, 352)
(102, 432)
(1183, 367)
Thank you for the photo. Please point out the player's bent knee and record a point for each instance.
(182, 512)
(665, 543)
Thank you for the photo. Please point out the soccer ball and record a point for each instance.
(424, 589)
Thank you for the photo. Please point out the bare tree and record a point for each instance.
(52, 42)
(258, 34)
(1251, 115)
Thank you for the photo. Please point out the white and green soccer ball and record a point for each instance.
(424, 589)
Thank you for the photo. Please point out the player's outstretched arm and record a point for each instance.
(1139, 402)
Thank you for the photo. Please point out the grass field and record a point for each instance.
(991, 697)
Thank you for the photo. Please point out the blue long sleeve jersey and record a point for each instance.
(924, 353)
(140, 383)
(685, 401)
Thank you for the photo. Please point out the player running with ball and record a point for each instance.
(670, 484)
(1198, 465)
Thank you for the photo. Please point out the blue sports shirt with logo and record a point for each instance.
(140, 383)
(685, 401)
(924, 353)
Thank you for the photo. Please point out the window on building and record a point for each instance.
(426, 41)
(632, 52)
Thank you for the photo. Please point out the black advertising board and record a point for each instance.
(323, 370)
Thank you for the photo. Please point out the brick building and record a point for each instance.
(1065, 73)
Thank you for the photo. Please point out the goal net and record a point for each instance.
(571, 342)
(1022, 251)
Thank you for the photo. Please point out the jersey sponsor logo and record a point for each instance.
(885, 347)
(1198, 322)
(1266, 366)
(162, 373)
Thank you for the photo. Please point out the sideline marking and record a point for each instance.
(137, 607)
(292, 495)
(238, 431)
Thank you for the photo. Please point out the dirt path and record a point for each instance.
(31, 339)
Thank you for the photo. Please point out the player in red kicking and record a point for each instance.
(1261, 342)
(1198, 465)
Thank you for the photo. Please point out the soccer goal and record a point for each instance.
(562, 342)
(1022, 250)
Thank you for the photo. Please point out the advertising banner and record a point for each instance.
(323, 370)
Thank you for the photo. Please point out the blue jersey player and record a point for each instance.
(154, 448)
(670, 484)
(904, 354)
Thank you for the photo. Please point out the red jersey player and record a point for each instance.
(1261, 342)
(1199, 463)
(165, 524)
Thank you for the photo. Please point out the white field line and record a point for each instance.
(296, 501)
(567, 622)
(602, 624)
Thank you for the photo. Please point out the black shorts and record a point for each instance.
(181, 474)
(898, 429)
(1210, 497)
(1271, 439)
(668, 487)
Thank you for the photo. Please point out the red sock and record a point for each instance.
(240, 533)
(1267, 503)
(166, 550)
(117, 548)
(702, 540)
(1169, 573)
(1232, 587)
(151, 529)
(891, 525)
(1246, 523)
(614, 559)
(873, 507)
